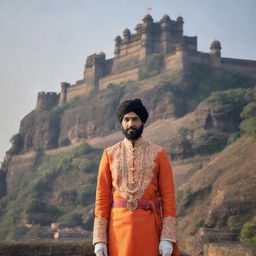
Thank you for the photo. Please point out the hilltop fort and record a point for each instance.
(164, 37)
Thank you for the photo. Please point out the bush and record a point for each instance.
(207, 147)
(249, 110)
(248, 233)
(248, 127)
(18, 233)
(233, 137)
(70, 221)
(83, 149)
(40, 207)
(87, 167)
(87, 196)
(234, 222)
(63, 142)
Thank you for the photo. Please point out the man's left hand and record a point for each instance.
(165, 248)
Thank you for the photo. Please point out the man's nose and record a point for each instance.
(130, 123)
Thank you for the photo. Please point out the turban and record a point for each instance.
(135, 106)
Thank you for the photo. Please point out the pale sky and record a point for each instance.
(45, 42)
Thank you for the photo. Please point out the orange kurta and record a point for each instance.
(141, 171)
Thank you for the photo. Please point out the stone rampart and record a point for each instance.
(199, 57)
(245, 67)
(62, 149)
(77, 90)
(228, 249)
(47, 248)
(174, 61)
(118, 78)
(18, 166)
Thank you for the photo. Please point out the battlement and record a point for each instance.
(47, 100)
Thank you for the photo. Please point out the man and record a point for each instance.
(135, 200)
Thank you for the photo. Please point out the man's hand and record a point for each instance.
(165, 248)
(100, 249)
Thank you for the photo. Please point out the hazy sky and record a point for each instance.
(45, 42)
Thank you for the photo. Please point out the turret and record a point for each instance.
(215, 53)
(165, 24)
(46, 100)
(63, 94)
(215, 48)
(94, 69)
(146, 37)
(126, 35)
(118, 41)
(180, 23)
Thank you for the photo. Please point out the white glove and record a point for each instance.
(165, 248)
(100, 249)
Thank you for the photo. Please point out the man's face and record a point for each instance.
(132, 126)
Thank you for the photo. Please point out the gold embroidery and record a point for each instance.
(168, 228)
(100, 230)
(139, 163)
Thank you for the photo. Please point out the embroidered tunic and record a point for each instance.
(139, 172)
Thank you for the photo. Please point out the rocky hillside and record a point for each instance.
(205, 120)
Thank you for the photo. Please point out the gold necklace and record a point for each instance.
(125, 172)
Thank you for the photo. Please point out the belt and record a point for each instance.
(133, 204)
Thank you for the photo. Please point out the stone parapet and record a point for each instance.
(47, 248)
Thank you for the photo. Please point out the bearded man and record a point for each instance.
(135, 200)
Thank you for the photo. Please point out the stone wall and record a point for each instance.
(47, 248)
(175, 61)
(228, 249)
(18, 166)
(246, 67)
(118, 78)
(77, 90)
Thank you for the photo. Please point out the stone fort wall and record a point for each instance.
(163, 37)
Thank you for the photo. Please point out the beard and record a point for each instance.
(132, 133)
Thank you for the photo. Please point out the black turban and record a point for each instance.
(135, 106)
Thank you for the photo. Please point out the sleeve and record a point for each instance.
(103, 201)
(167, 193)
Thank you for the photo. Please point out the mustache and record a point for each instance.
(131, 128)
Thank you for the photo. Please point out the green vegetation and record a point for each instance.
(199, 223)
(207, 147)
(71, 220)
(151, 66)
(233, 137)
(27, 201)
(248, 233)
(17, 142)
(205, 83)
(87, 196)
(182, 200)
(234, 222)
(248, 125)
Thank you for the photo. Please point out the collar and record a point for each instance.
(138, 143)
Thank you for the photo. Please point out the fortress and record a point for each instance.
(164, 37)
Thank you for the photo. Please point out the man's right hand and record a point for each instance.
(100, 249)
